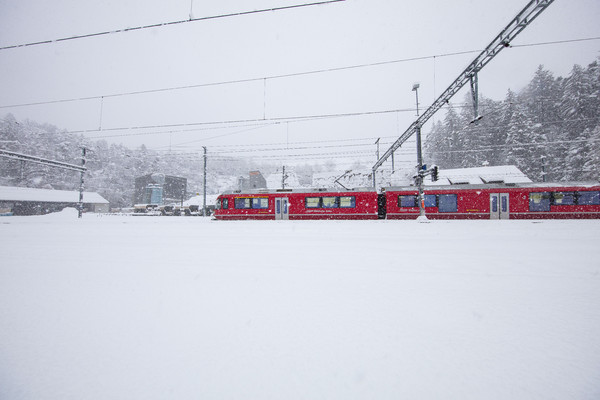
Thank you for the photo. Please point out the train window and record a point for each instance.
(329, 202)
(447, 203)
(312, 202)
(407, 201)
(241, 202)
(347, 202)
(563, 198)
(588, 198)
(260, 203)
(430, 200)
(539, 201)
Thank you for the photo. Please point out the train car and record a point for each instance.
(297, 204)
(497, 201)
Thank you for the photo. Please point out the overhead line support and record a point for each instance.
(39, 160)
(531, 11)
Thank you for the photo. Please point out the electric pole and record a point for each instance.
(204, 186)
(283, 177)
(80, 205)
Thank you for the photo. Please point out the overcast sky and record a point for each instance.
(266, 45)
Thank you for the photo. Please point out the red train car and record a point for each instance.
(489, 201)
(297, 204)
(497, 201)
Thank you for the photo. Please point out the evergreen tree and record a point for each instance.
(435, 147)
(591, 166)
(517, 150)
(542, 97)
(579, 109)
(480, 137)
(453, 125)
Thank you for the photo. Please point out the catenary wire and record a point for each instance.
(280, 76)
(280, 119)
(163, 24)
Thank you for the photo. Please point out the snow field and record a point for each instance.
(188, 308)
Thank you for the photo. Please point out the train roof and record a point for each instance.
(498, 185)
(430, 187)
(300, 190)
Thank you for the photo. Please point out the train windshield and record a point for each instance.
(222, 203)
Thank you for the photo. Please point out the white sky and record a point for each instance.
(261, 46)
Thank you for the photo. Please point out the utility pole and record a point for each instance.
(204, 184)
(80, 206)
(543, 169)
(283, 176)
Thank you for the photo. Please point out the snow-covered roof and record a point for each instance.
(479, 175)
(211, 200)
(12, 193)
(274, 180)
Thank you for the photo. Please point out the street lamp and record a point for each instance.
(416, 90)
(419, 176)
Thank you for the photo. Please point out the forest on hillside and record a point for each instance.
(111, 168)
(551, 128)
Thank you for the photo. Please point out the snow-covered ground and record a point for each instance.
(124, 307)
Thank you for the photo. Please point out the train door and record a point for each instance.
(381, 206)
(499, 206)
(282, 208)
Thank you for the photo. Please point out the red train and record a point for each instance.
(489, 201)
(298, 204)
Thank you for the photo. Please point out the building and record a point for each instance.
(160, 189)
(197, 201)
(405, 177)
(479, 175)
(31, 201)
(255, 180)
(462, 176)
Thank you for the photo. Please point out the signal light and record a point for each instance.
(434, 173)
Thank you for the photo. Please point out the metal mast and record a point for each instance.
(204, 186)
(531, 11)
(81, 187)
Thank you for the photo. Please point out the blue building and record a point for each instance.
(160, 189)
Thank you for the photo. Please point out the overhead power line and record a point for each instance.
(274, 120)
(501, 147)
(556, 42)
(163, 24)
(239, 81)
(282, 76)
(336, 146)
(263, 145)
